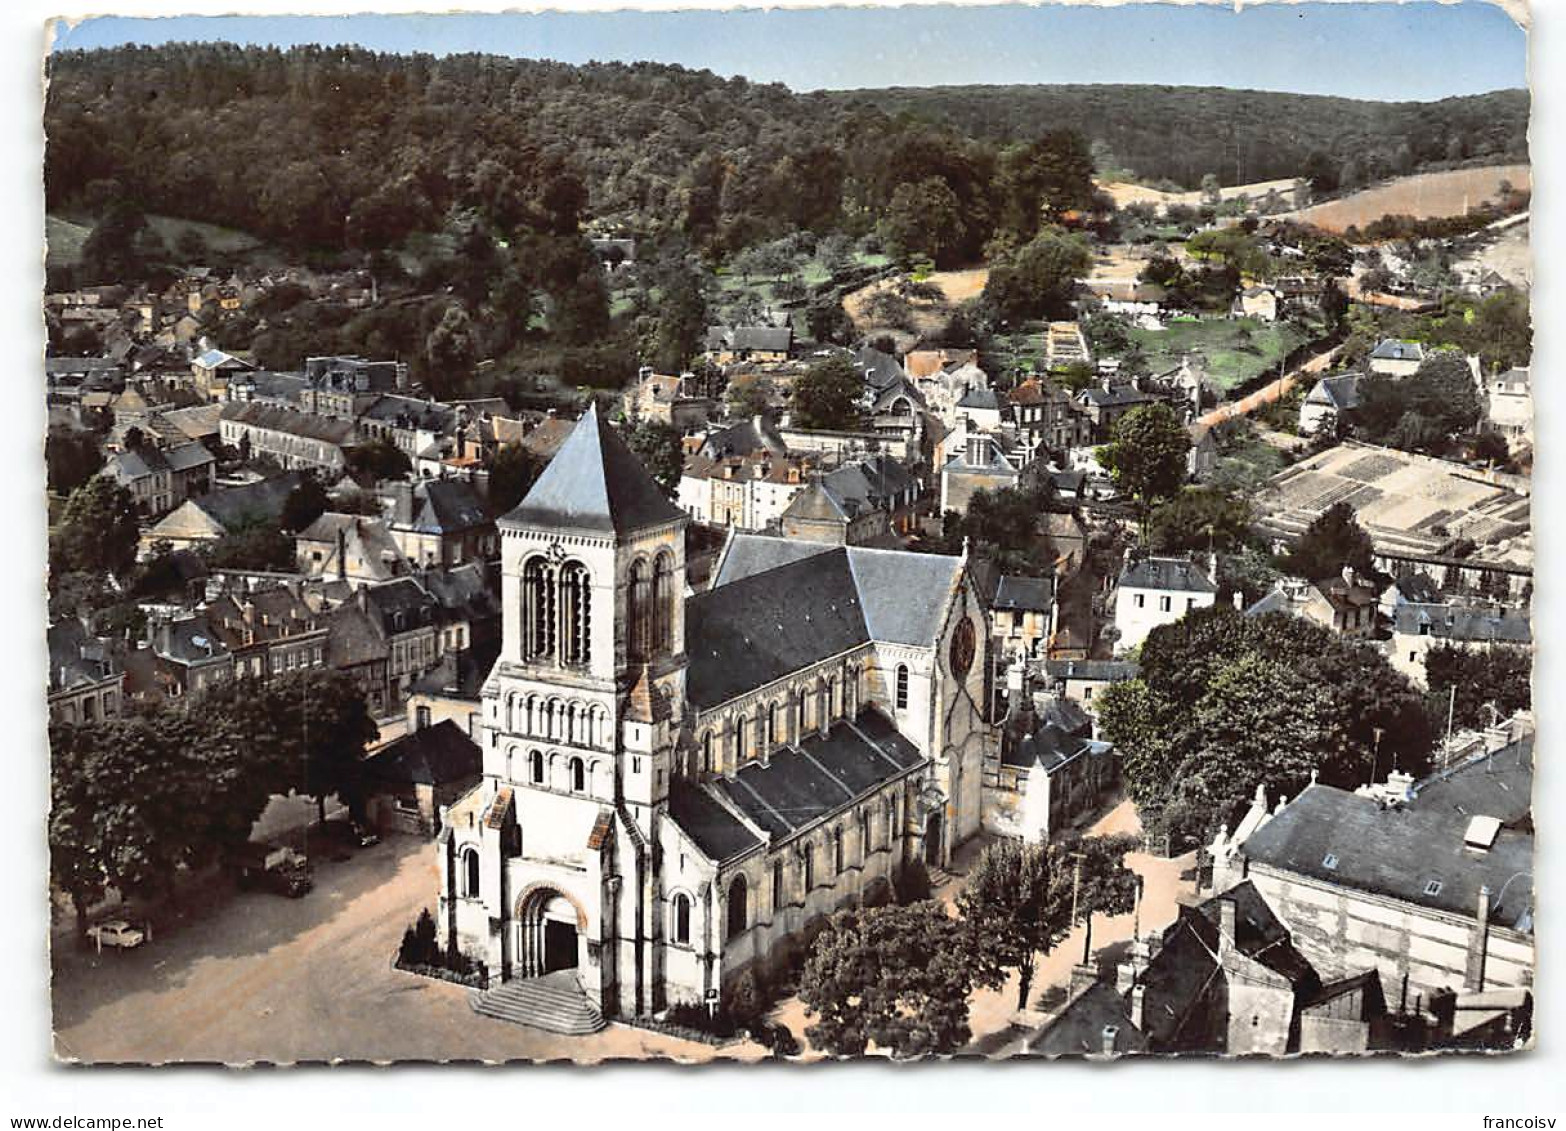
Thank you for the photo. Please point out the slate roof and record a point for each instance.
(465, 589)
(1078, 1029)
(1341, 392)
(447, 506)
(880, 369)
(136, 463)
(769, 338)
(1034, 594)
(404, 598)
(718, 833)
(1053, 747)
(1175, 574)
(274, 418)
(1109, 670)
(264, 384)
(354, 638)
(434, 755)
(188, 457)
(364, 538)
(801, 784)
(191, 640)
(1394, 349)
(77, 657)
(873, 483)
(1418, 588)
(1498, 785)
(1115, 396)
(902, 595)
(979, 399)
(1396, 852)
(749, 633)
(740, 439)
(1462, 623)
(261, 501)
(594, 484)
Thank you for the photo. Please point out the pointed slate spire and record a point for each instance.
(594, 484)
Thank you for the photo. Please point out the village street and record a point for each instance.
(255, 976)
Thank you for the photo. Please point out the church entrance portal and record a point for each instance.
(932, 841)
(547, 935)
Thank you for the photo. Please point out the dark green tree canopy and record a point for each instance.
(1333, 540)
(1147, 455)
(827, 395)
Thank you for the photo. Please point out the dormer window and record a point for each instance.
(1330, 862)
(1433, 888)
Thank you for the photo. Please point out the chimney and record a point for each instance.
(1108, 1037)
(1138, 993)
(1478, 943)
(1348, 575)
(1239, 601)
(342, 553)
(1083, 976)
(1226, 914)
(1125, 977)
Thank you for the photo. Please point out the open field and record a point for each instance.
(1508, 256)
(1425, 196)
(1124, 192)
(955, 286)
(1236, 350)
(65, 237)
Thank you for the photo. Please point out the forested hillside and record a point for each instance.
(334, 148)
(1240, 135)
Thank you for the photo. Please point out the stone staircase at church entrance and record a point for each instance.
(554, 1002)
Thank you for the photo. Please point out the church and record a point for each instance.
(678, 787)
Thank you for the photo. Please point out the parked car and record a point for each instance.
(351, 833)
(116, 932)
(273, 868)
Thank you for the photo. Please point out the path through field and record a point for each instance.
(1318, 363)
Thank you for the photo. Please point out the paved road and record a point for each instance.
(257, 977)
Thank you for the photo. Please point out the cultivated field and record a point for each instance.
(1236, 349)
(1125, 193)
(1425, 196)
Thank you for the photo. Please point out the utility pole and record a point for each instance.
(1076, 887)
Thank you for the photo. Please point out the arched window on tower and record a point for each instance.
(706, 753)
(576, 614)
(865, 847)
(837, 851)
(538, 610)
(638, 611)
(739, 913)
(682, 918)
(662, 629)
(578, 776)
(535, 766)
(741, 734)
(902, 687)
(470, 873)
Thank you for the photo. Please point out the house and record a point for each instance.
(1082, 681)
(349, 547)
(470, 610)
(452, 690)
(675, 786)
(187, 656)
(1105, 403)
(1024, 610)
(1346, 605)
(1051, 415)
(267, 632)
(1508, 407)
(1157, 591)
(1201, 459)
(981, 409)
(294, 440)
(1327, 402)
(1257, 302)
(750, 491)
(675, 401)
(1418, 628)
(1394, 357)
(871, 501)
(1428, 884)
(86, 680)
(356, 646)
(412, 780)
(212, 370)
(1411, 589)
(1046, 778)
(728, 344)
(224, 510)
(201, 423)
(981, 465)
(439, 522)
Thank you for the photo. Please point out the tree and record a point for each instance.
(305, 503)
(1199, 518)
(97, 532)
(512, 472)
(749, 395)
(1469, 681)
(1013, 911)
(1146, 456)
(1003, 525)
(924, 218)
(681, 319)
(827, 395)
(1094, 870)
(379, 459)
(1039, 280)
(1212, 191)
(660, 447)
(451, 352)
(1333, 540)
(1224, 702)
(897, 976)
(71, 459)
